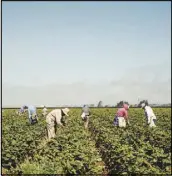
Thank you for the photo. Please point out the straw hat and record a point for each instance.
(65, 111)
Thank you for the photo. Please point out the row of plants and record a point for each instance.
(19, 138)
(71, 152)
(136, 149)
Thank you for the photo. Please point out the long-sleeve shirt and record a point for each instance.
(122, 112)
(149, 113)
(86, 110)
(54, 116)
(31, 110)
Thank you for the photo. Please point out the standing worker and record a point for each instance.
(53, 118)
(44, 111)
(86, 115)
(32, 113)
(150, 116)
(122, 116)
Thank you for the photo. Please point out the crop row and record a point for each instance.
(136, 149)
(19, 138)
(71, 152)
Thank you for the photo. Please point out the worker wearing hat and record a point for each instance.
(150, 116)
(33, 117)
(53, 118)
(122, 116)
(86, 115)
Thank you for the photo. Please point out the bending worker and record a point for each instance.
(85, 115)
(53, 118)
(32, 113)
(122, 116)
(150, 116)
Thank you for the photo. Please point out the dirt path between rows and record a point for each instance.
(99, 163)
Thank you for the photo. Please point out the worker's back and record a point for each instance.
(31, 109)
(149, 112)
(86, 110)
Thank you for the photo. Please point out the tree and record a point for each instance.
(100, 104)
(120, 104)
(143, 101)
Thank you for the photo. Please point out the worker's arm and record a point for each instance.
(127, 118)
(58, 118)
(126, 115)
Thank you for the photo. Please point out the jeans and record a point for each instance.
(116, 121)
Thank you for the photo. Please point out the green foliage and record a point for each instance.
(19, 138)
(136, 149)
(71, 152)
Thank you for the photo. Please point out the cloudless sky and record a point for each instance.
(66, 42)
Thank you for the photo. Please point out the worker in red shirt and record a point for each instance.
(122, 116)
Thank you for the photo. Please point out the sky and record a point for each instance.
(70, 53)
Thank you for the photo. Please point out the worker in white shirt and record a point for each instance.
(150, 116)
(86, 115)
(44, 111)
(53, 118)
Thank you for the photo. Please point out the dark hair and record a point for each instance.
(146, 103)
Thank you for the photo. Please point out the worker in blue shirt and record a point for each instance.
(32, 113)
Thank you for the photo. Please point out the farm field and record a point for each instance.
(101, 149)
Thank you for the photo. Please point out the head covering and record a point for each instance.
(143, 105)
(125, 106)
(65, 111)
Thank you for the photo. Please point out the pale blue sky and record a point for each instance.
(71, 42)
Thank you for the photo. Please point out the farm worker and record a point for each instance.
(44, 111)
(150, 116)
(85, 115)
(22, 110)
(32, 113)
(53, 118)
(122, 116)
